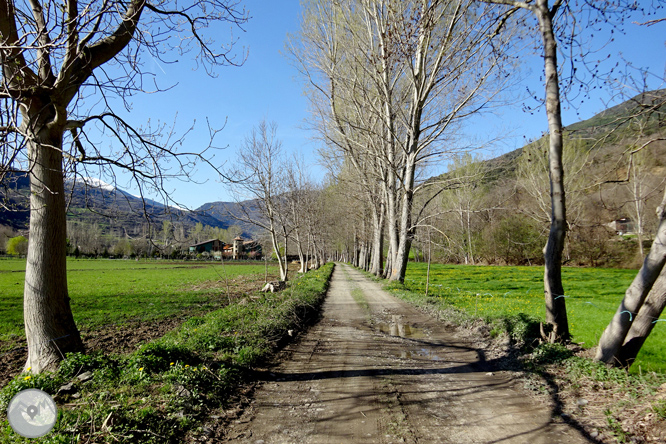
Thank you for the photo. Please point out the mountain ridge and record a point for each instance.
(613, 120)
(98, 202)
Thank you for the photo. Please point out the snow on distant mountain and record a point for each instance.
(93, 182)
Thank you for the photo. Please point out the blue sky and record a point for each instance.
(264, 87)
(268, 87)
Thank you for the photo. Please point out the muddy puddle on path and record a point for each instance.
(397, 327)
(414, 349)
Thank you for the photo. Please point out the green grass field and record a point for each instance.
(112, 291)
(592, 296)
(164, 390)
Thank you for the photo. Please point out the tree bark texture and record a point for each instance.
(615, 334)
(284, 273)
(387, 268)
(394, 237)
(377, 242)
(49, 324)
(556, 312)
(276, 247)
(404, 224)
(646, 319)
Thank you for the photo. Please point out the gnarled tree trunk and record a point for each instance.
(615, 334)
(644, 322)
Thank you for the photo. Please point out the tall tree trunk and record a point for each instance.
(285, 236)
(638, 206)
(301, 254)
(394, 239)
(469, 236)
(392, 209)
(361, 255)
(378, 242)
(616, 332)
(49, 324)
(463, 246)
(354, 260)
(389, 258)
(315, 256)
(404, 235)
(308, 254)
(276, 248)
(429, 260)
(556, 312)
(312, 256)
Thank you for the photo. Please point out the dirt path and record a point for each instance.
(376, 370)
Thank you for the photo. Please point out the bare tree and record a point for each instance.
(344, 207)
(547, 15)
(556, 313)
(464, 199)
(391, 80)
(534, 178)
(301, 198)
(56, 59)
(438, 66)
(260, 185)
(329, 52)
(641, 186)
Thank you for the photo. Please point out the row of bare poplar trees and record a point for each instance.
(391, 83)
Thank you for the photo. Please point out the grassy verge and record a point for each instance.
(169, 386)
(608, 403)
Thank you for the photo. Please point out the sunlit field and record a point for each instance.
(162, 390)
(112, 291)
(592, 296)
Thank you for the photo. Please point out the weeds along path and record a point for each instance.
(376, 370)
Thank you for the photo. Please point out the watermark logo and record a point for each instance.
(32, 413)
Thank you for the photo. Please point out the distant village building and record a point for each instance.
(238, 249)
(228, 251)
(211, 246)
(622, 226)
(245, 249)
